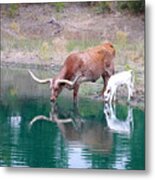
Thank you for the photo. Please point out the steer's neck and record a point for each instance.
(62, 74)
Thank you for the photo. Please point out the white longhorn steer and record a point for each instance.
(119, 79)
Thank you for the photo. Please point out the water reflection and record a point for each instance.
(15, 124)
(85, 137)
(122, 126)
(15, 121)
(78, 131)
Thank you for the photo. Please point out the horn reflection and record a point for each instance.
(78, 130)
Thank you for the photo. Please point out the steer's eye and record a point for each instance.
(111, 46)
(108, 91)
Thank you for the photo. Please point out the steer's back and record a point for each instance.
(90, 63)
(120, 78)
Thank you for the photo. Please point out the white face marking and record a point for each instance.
(107, 95)
(51, 84)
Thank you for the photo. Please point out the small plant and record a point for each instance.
(128, 67)
(121, 38)
(15, 26)
(44, 51)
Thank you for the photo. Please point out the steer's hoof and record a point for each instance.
(98, 97)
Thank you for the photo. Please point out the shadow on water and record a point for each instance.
(35, 133)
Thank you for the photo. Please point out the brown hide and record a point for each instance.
(91, 63)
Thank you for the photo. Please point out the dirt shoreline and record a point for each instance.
(29, 65)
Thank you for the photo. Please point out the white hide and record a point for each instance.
(119, 79)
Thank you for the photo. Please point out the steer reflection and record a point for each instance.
(78, 130)
(117, 125)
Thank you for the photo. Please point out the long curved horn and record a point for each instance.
(71, 83)
(65, 81)
(41, 81)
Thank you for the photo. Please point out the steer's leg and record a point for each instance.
(109, 71)
(129, 92)
(105, 79)
(75, 93)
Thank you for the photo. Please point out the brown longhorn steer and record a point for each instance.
(82, 67)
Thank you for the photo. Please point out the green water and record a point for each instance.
(91, 135)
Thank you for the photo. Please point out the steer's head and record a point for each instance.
(56, 85)
(56, 89)
(110, 48)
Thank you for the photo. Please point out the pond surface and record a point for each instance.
(33, 133)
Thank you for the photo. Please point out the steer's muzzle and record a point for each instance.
(106, 98)
(53, 99)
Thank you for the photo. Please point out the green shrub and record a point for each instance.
(136, 6)
(121, 38)
(59, 6)
(103, 7)
(13, 10)
(131, 6)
